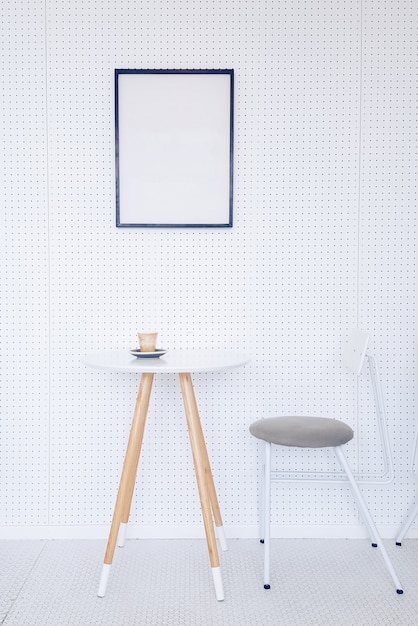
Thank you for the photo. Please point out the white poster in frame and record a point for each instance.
(174, 148)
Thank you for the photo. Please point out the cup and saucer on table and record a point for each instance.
(147, 347)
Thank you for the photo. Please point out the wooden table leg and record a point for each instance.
(127, 480)
(206, 487)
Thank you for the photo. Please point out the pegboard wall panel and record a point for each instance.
(323, 240)
(388, 248)
(24, 299)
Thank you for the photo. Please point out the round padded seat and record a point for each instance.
(302, 432)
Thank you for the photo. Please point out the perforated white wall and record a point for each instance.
(325, 176)
(24, 353)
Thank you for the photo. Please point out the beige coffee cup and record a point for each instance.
(147, 342)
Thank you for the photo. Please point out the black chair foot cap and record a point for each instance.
(268, 587)
(261, 540)
(398, 543)
(399, 591)
(374, 545)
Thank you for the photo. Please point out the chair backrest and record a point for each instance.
(355, 350)
(354, 354)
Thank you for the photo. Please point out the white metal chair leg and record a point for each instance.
(367, 517)
(262, 480)
(407, 523)
(381, 419)
(414, 512)
(364, 512)
(266, 513)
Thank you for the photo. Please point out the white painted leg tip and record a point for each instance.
(217, 580)
(222, 538)
(103, 580)
(122, 534)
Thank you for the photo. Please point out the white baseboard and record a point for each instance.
(136, 531)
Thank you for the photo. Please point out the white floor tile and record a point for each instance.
(17, 558)
(169, 583)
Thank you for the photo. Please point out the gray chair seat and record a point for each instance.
(302, 432)
(323, 432)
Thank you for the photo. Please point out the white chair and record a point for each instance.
(414, 511)
(323, 432)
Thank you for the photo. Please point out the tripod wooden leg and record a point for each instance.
(212, 490)
(127, 481)
(207, 493)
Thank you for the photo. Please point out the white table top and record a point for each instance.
(177, 361)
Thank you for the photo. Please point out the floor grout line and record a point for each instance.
(25, 579)
(168, 583)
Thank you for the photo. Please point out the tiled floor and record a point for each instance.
(168, 582)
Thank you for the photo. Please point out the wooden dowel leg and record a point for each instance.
(127, 480)
(216, 511)
(208, 472)
(210, 482)
(141, 410)
(203, 476)
(212, 491)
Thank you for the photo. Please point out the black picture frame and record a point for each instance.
(174, 147)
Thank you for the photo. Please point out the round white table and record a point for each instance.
(182, 363)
